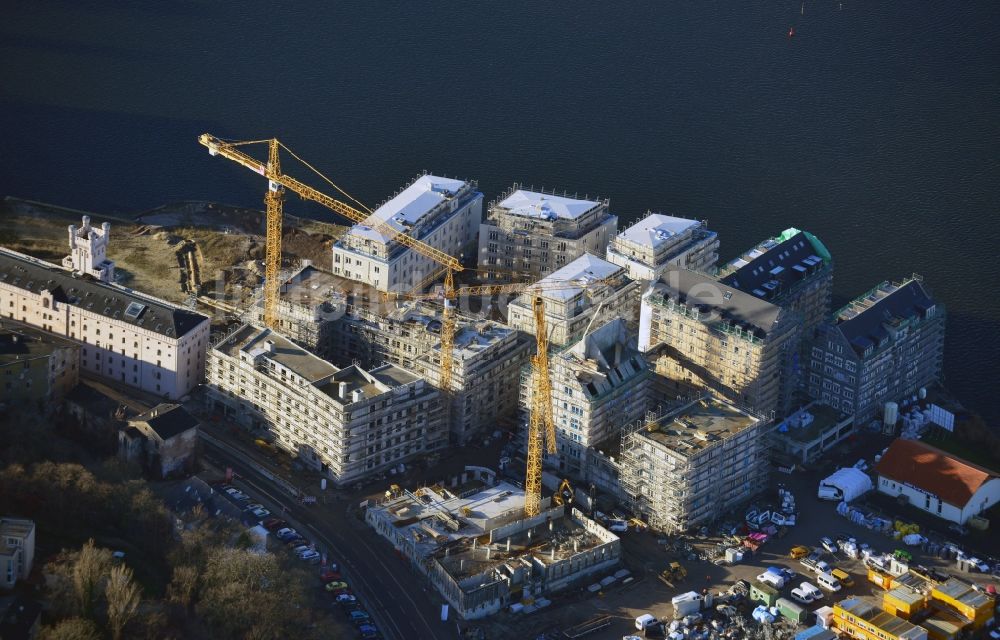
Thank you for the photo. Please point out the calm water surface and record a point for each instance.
(875, 127)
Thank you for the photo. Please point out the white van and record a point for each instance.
(645, 620)
(828, 582)
(812, 590)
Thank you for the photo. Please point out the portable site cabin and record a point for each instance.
(763, 593)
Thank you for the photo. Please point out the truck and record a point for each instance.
(686, 603)
(772, 577)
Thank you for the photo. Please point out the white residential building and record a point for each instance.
(570, 311)
(649, 245)
(17, 550)
(441, 212)
(88, 251)
(124, 336)
(599, 385)
(347, 423)
(533, 232)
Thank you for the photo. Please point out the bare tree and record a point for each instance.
(183, 585)
(89, 570)
(123, 596)
(71, 629)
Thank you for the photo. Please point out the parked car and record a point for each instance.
(252, 506)
(813, 563)
(273, 523)
(828, 544)
(812, 590)
(618, 526)
(300, 549)
(800, 595)
(292, 543)
(333, 586)
(261, 513)
(330, 575)
(346, 597)
(287, 534)
(237, 495)
(359, 617)
(309, 554)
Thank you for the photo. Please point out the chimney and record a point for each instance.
(86, 222)
(342, 390)
(356, 395)
(106, 227)
(269, 346)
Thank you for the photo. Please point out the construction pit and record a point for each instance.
(481, 552)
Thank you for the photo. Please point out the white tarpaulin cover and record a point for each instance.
(852, 482)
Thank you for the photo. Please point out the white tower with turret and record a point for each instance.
(88, 251)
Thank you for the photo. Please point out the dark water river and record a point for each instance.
(875, 127)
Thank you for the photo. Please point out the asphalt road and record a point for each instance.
(396, 596)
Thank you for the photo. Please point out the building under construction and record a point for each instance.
(474, 543)
(345, 423)
(350, 322)
(694, 463)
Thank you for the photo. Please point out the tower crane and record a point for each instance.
(541, 424)
(277, 183)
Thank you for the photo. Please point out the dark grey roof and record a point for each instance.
(168, 420)
(92, 400)
(695, 289)
(778, 267)
(866, 328)
(88, 293)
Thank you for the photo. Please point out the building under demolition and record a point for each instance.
(474, 544)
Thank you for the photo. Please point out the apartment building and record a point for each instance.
(350, 322)
(599, 385)
(882, 347)
(570, 311)
(347, 423)
(703, 334)
(164, 440)
(17, 550)
(36, 368)
(693, 463)
(88, 251)
(793, 270)
(124, 336)
(535, 232)
(311, 303)
(441, 212)
(649, 245)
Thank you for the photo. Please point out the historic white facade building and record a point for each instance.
(88, 251)
(124, 336)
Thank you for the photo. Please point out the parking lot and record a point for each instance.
(646, 555)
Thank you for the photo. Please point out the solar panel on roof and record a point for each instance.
(134, 309)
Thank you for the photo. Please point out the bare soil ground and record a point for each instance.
(175, 250)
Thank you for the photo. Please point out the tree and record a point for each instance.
(183, 586)
(71, 629)
(89, 571)
(123, 597)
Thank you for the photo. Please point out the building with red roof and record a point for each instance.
(936, 481)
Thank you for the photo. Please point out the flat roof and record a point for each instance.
(253, 341)
(823, 417)
(16, 527)
(109, 300)
(546, 206)
(585, 270)
(312, 286)
(409, 206)
(876, 617)
(699, 425)
(657, 229)
(964, 593)
(19, 342)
